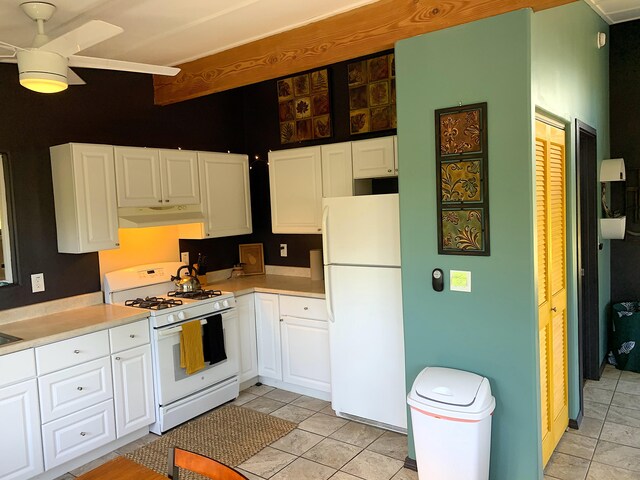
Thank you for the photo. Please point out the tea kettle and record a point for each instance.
(188, 283)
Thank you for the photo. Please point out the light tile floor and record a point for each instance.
(607, 445)
(323, 445)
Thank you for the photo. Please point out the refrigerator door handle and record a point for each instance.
(325, 234)
(327, 278)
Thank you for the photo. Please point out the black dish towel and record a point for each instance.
(213, 340)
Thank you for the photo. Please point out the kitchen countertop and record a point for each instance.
(284, 284)
(71, 323)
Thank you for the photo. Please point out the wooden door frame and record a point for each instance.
(587, 255)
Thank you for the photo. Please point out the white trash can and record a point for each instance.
(451, 415)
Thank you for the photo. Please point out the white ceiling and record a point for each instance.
(170, 32)
(616, 11)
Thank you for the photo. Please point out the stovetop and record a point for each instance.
(153, 303)
(196, 294)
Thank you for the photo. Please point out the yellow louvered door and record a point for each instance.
(552, 291)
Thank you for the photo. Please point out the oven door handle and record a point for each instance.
(165, 332)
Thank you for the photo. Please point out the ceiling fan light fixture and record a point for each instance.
(42, 71)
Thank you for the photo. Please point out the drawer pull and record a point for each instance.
(83, 434)
(80, 389)
(76, 351)
(306, 308)
(117, 358)
(132, 336)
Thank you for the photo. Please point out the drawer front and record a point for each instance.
(303, 307)
(129, 336)
(75, 388)
(71, 436)
(18, 366)
(74, 351)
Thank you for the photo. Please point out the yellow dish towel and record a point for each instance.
(191, 356)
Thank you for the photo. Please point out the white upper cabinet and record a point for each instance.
(226, 197)
(374, 158)
(295, 179)
(85, 197)
(337, 171)
(148, 177)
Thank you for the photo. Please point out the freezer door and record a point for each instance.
(367, 343)
(361, 230)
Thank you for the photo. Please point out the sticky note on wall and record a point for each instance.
(460, 280)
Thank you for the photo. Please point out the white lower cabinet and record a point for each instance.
(291, 348)
(71, 436)
(248, 344)
(133, 389)
(305, 353)
(20, 440)
(268, 335)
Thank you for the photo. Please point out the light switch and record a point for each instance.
(460, 281)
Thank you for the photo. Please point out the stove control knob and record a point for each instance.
(216, 306)
(225, 303)
(171, 318)
(182, 315)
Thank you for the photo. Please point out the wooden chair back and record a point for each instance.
(179, 458)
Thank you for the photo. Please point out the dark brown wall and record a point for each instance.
(113, 108)
(624, 78)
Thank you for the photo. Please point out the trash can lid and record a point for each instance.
(452, 387)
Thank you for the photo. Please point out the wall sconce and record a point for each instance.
(611, 227)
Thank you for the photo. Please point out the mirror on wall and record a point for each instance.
(6, 273)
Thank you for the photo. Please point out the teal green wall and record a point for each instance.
(549, 63)
(491, 330)
(570, 79)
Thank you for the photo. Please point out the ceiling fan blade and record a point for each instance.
(81, 38)
(74, 79)
(9, 46)
(108, 64)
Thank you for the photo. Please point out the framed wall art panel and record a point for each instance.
(462, 180)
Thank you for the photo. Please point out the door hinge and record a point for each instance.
(582, 272)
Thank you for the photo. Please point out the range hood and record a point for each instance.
(159, 216)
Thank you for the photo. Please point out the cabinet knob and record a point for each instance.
(167, 201)
(83, 434)
(306, 308)
(76, 352)
(132, 336)
(554, 309)
(389, 170)
(79, 389)
(117, 244)
(319, 229)
(280, 319)
(159, 201)
(117, 358)
(208, 234)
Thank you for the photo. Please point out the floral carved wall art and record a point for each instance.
(462, 176)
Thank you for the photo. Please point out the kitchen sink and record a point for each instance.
(4, 339)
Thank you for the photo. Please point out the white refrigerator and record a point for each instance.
(361, 254)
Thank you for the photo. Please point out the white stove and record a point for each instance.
(179, 397)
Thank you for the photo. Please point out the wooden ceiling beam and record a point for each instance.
(362, 31)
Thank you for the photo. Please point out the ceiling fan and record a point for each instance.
(44, 66)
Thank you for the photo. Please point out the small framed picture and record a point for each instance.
(252, 258)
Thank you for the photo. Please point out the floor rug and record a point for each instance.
(229, 434)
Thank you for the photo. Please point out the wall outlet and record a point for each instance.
(184, 257)
(283, 249)
(37, 282)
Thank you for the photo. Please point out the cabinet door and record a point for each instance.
(138, 177)
(268, 335)
(295, 178)
(179, 177)
(373, 158)
(226, 198)
(20, 442)
(85, 197)
(133, 390)
(248, 346)
(305, 353)
(337, 171)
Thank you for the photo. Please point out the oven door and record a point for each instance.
(172, 381)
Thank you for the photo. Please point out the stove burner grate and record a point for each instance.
(196, 294)
(153, 303)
